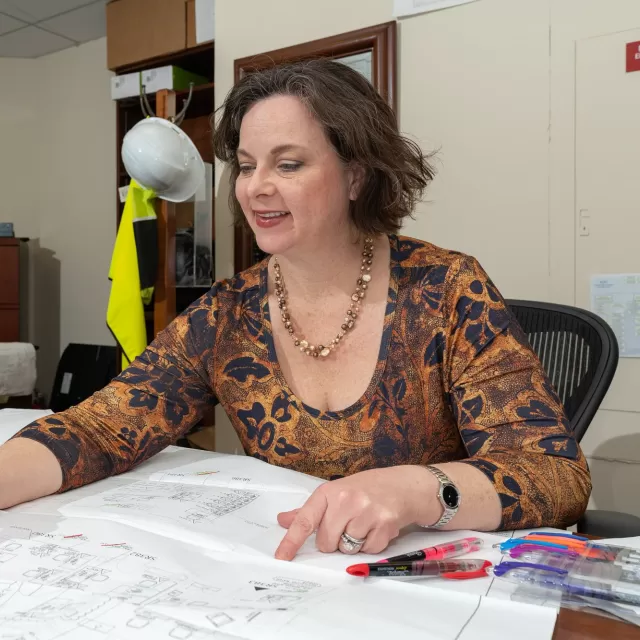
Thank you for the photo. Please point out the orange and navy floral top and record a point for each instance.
(455, 381)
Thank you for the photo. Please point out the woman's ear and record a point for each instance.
(356, 180)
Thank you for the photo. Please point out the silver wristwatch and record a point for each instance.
(449, 498)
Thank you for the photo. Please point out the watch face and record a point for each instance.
(450, 496)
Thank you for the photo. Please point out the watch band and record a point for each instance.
(445, 484)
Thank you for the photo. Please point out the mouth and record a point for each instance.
(268, 215)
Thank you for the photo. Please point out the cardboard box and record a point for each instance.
(128, 85)
(125, 86)
(138, 30)
(169, 77)
(191, 24)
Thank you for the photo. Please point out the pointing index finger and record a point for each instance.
(307, 521)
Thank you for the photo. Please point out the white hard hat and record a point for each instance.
(158, 155)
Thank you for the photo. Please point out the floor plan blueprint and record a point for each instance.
(210, 516)
(186, 552)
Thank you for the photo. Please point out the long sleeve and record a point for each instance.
(158, 398)
(511, 421)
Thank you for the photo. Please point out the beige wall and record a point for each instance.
(78, 197)
(490, 84)
(57, 177)
(612, 443)
(19, 132)
(462, 92)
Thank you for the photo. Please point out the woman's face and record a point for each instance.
(292, 186)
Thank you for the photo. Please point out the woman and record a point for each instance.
(422, 403)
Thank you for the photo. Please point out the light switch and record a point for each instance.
(584, 221)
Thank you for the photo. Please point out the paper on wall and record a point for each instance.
(616, 299)
(205, 20)
(402, 8)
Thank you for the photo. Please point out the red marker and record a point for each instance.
(451, 569)
(440, 551)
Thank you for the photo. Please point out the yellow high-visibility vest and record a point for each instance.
(133, 272)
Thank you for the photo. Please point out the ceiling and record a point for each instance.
(34, 28)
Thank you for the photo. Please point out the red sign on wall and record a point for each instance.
(633, 56)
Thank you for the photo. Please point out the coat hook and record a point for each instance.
(180, 117)
(148, 112)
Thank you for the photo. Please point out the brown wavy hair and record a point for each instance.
(358, 122)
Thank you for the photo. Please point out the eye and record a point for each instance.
(288, 167)
(245, 169)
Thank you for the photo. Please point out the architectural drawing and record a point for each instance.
(163, 560)
(220, 518)
(80, 590)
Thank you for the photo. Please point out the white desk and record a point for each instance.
(81, 566)
(12, 420)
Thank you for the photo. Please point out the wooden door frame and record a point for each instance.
(379, 39)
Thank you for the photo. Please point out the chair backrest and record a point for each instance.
(578, 350)
(83, 369)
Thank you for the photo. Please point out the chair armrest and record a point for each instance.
(609, 524)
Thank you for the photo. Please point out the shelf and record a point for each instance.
(198, 59)
(202, 101)
(200, 87)
(134, 101)
(182, 93)
(194, 287)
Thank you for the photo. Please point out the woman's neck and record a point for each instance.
(331, 267)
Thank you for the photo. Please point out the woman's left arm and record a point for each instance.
(510, 418)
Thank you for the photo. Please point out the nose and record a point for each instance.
(260, 184)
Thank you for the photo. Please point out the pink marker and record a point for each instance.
(440, 551)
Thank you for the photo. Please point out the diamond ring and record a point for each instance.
(351, 544)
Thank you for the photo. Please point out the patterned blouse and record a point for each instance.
(455, 381)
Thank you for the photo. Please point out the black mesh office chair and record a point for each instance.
(579, 352)
(83, 369)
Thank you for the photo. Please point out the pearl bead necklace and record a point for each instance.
(350, 319)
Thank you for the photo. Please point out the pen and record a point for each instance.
(619, 578)
(606, 553)
(570, 536)
(528, 551)
(595, 554)
(450, 569)
(544, 541)
(555, 577)
(514, 544)
(440, 551)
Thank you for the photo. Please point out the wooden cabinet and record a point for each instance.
(138, 30)
(9, 290)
